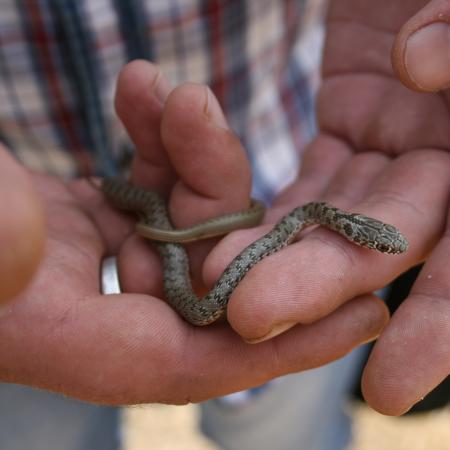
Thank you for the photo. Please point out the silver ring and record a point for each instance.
(109, 276)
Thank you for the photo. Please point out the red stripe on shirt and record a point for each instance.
(42, 41)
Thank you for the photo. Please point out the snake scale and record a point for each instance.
(151, 209)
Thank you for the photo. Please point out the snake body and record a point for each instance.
(151, 208)
(217, 226)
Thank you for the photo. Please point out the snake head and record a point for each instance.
(396, 243)
(373, 233)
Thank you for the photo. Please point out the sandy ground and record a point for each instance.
(175, 428)
(422, 431)
(164, 428)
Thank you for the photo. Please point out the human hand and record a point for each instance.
(62, 335)
(21, 228)
(382, 151)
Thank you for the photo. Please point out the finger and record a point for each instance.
(141, 93)
(412, 355)
(145, 353)
(22, 227)
(309, 279)
(421, 53)
(208, 157)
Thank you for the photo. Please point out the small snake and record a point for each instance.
(154, 222)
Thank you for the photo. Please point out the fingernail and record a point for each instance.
(427, 56)
(160, 87)
(213, 110)
(275, 331)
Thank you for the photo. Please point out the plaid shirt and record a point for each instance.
(59, 61)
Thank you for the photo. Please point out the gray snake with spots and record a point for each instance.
(154, 223)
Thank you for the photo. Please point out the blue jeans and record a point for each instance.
(304, 411)
(38, 420)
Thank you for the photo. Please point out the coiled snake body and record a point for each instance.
(154, 220)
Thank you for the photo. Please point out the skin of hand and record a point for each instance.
(60, 334)
(22, 228)
(382, 150)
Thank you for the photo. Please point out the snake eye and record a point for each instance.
(384, 248)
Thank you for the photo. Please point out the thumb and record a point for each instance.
(421, 52)
(21, 227)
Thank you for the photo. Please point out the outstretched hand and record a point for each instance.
(383, 150)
